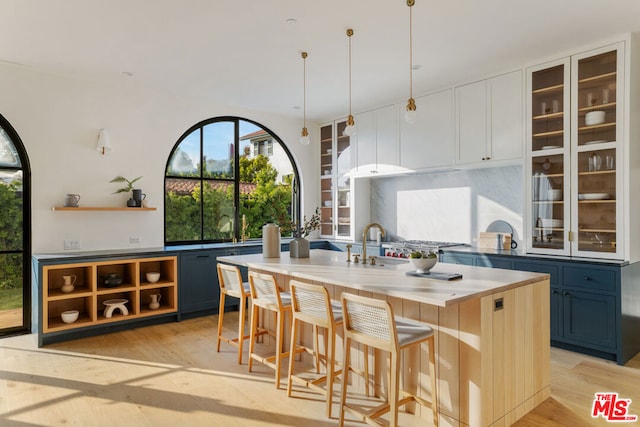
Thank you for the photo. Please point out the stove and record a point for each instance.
(402, 249)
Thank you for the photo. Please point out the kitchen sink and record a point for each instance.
(382, 260)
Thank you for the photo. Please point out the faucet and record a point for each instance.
(364, 238)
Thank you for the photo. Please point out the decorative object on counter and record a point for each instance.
(69, 316)
(350, 129)
(111, 280)
(155, 301)
(132, 202)
(304, 135)
(104, 143)
(152, 276)
(410, 114)
(271, 241)
(71, 200)
(423, 261)
(115, 304)
(69, 282)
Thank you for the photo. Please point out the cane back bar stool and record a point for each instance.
(231, 284)
(312, 305)
(371, 321)
(266, 294)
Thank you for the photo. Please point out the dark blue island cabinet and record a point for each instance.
(595, 305)
(200, 289)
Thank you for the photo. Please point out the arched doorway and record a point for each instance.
(15, 233)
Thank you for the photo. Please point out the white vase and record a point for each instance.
(299, 248)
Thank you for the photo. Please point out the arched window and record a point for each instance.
(15, 233)
(225, 178)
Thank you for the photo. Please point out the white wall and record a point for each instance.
(58, 120)
(451, 206)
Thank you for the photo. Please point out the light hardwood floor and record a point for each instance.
(170, 375)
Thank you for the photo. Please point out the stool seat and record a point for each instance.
(410, 331)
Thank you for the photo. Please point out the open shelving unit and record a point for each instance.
(90, 291)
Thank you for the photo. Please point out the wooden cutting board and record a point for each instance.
(490, 240)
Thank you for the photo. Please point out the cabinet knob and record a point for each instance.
(555, 292)
(587, 278)
(565, 293)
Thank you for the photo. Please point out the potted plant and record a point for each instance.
(299, 246)
(136, 194)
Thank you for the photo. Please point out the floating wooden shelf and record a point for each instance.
(99, 208)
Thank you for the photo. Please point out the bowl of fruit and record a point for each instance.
(423, 261)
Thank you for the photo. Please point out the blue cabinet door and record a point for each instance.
(199, 288)
(589, 318)
(555, 308)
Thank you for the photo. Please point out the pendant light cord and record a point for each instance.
(349, 33)
(410, 3)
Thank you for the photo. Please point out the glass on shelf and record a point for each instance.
(547, 105)
(597, 80)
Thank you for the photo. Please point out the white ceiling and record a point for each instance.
(244, 54)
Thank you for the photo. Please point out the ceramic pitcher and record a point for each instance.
(69, 280)
(155, 301)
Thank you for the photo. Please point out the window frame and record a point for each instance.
(25, 167)
(296, 196)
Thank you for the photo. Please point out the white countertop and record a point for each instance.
(330, 267)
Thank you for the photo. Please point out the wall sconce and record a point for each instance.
(104, 144)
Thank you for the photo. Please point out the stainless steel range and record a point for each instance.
(402, 249)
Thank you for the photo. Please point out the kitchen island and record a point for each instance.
(491, 327)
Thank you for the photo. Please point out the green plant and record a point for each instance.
(126, 188)
(420, 254)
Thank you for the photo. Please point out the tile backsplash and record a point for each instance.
(448, 206)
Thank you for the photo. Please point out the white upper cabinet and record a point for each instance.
(489, 120)
(428, 143)
(377, 142)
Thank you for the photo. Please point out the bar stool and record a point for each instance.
(371, 321)
(231, 284)
(311, 304)
(266, 294)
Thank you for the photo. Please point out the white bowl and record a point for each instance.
(555, 194)
(70, 316)
(594, 118)
(422, 265)
(153, 277)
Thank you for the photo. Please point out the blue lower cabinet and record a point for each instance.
(589, 319)
(199, 286)
(589, 303)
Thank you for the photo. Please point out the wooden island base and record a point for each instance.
(492, 351)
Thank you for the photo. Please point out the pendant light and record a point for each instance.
(410, 115)
(304, 135)
(350, 129)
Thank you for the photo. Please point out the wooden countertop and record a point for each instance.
(330, 267)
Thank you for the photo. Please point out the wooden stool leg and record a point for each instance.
(279, 339)
(346, 365)
(316, 352)
(394, 387)
(252, 336)
(291, 352)
(432, 373)
(242, 312)
(331, 356)
(365, 351)
(220, 321)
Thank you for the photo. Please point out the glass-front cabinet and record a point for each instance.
(574, 147)
(335, 181)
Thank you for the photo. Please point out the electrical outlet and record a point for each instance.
(70, 245)
(134, 239)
